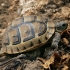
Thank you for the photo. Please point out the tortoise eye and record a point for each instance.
(62, 27)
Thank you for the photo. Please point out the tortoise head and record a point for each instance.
(61, 26)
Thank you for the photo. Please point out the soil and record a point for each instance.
(56, 10)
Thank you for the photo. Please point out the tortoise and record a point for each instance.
(28, 33)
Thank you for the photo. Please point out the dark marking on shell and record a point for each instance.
(24, 48)
(17, 49)
(46, 38)
(15, 36)
(28, 32)
(42, 29)
(16, 41)
(31, 44)
(39, 41)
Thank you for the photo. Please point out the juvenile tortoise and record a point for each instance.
(28, 33)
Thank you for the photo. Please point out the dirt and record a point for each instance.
(54, 10)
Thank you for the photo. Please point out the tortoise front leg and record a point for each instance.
(56, 40)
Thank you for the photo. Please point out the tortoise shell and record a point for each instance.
(27, 33)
